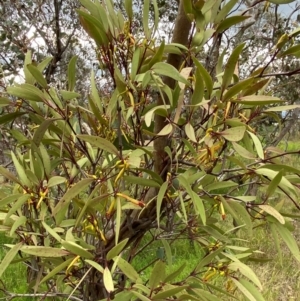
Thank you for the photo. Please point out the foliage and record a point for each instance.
(169, 149)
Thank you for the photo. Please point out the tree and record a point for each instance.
(150, 153)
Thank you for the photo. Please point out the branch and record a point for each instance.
(59, 295)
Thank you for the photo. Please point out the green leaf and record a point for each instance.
(272, 211)
(234, 134)
(243, 215)
(10, 117)
(118, 219)
(174, 274)
(140, 296)
(274, 184)
(29, 79)
(206, 78)
(162, 109)
(197, 96)
(70, 194)
(41, 130)
(8, 258)
(7, 174)
(94, 27)
(56, 180)
(243, 289)
(27, 91)
(234, 90)
(44, 63)
(4, 102)
(227, 7)
(96, 265)
(281, 1)
(258, 146)
(164, 295)
(230, 66)
(160, 197)
(242, 151)
(157, 274)
(207, 295)
(288, 238)
(198, 204)
(146, 7)
(285, 184)
(135, 62)
(165, 69)
(108, 281)
(76, 249)
(190, 132)
(252, 289)
(42, 251)
(128, 8)
(127, 269)
(52, 232)
(72, 73)
(57, 270)
(229, 22)
(37, 74)
(166, 130)
(69, 95)
(168, 251)
(220, 185)
(116, 250)
(208, 259)
(246, 271)
(100, 143)
(259, 100)
(282, 108)
(238, 266)
(18, 222)
(20, 171)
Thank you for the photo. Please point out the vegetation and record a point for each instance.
(172, 148)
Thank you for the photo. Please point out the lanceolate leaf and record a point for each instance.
(116, 250)
(165, 69)
(234, 134)
(72, 73)
(127, 269)
(41, 130)
(169, 293)
(27, 91)
(107, 280)
(230, 66)
(76, 249)
(56, 270)
(288, 238)
(20, 170)
(42, 251)
(8, 258)
(252, 289)
(157, 274)
(37, 74)
(258, 145)
(229, 22)
(244, 290)
(101, 143)
(274, 184)
(259, 100)
(160, 197)
(190, 132)
(146, 7)
(272, 211)
(71, 193)
(246, 271)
